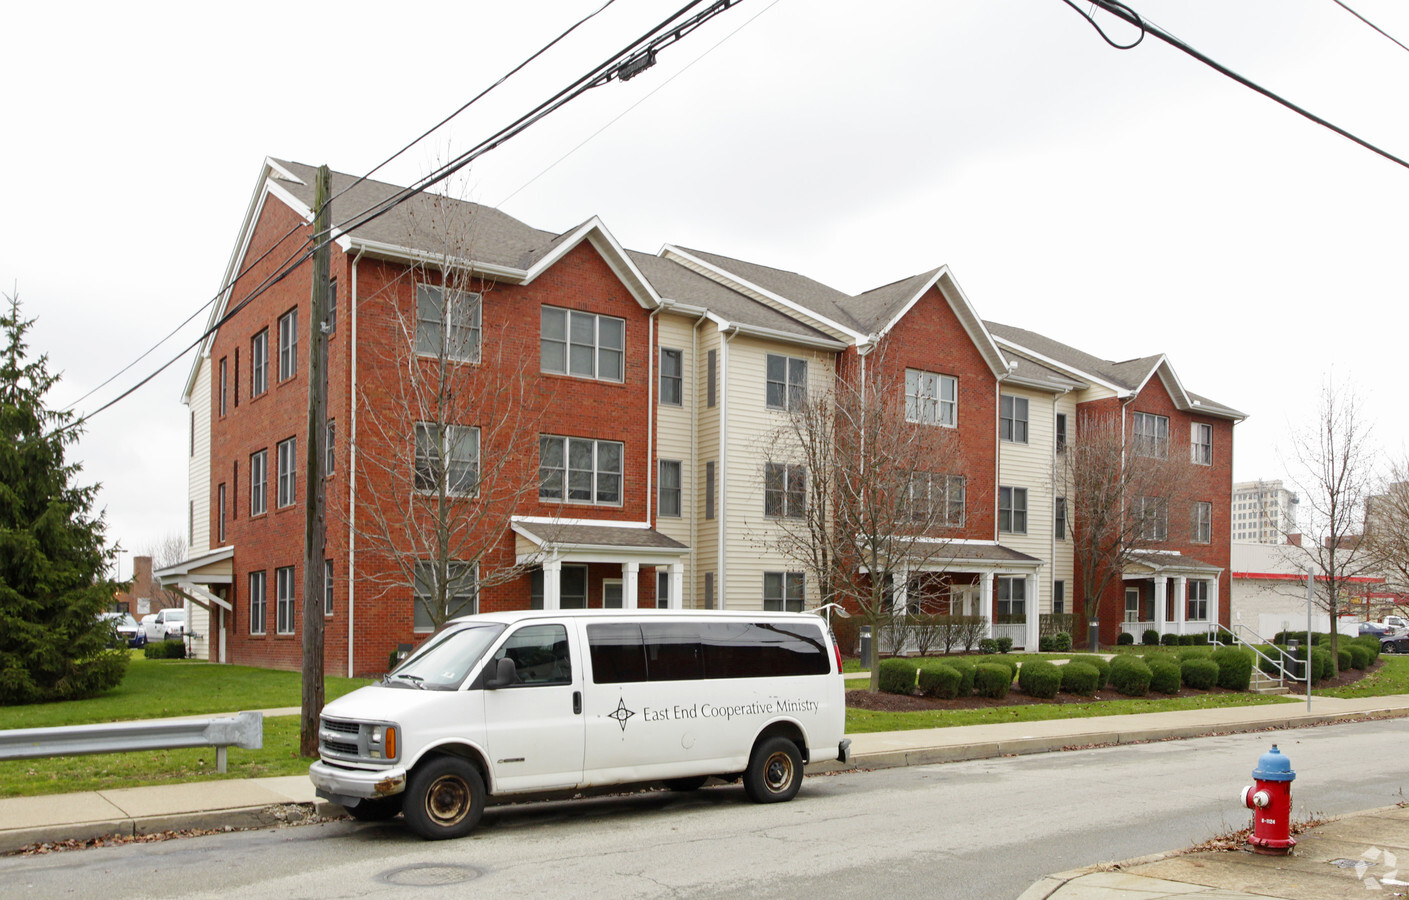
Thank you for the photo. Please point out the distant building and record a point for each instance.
(1264, 512)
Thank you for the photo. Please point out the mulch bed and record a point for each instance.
(883, 702)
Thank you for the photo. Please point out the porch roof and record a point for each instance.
(1168, 562)
(981, 555)
(208, 567)
(580, 540)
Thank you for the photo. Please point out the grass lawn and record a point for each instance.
(862, 721)
(156, 688)
(1392, 677)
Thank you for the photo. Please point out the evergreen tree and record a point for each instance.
(52, 551)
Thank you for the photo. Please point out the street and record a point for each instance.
(984, 829)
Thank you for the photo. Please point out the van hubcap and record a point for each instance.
(778, 772)
(448, 800)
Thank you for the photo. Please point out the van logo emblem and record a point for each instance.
(621, 714)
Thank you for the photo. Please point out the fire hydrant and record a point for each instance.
(1270, 799)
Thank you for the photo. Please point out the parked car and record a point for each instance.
(1396, 624)
(125, 629)
(1375, 628)
(1394, 643)
(165, 625)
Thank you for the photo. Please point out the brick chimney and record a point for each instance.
(1294, 540)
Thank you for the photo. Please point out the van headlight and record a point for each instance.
(382, 742)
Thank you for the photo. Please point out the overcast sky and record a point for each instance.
(1126, 202)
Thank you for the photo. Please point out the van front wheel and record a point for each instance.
(775, 771)
(444, 798)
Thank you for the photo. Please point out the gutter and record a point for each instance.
(352, 465)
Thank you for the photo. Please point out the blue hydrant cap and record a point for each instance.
(1273, 766)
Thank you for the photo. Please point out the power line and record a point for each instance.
(1125, 13)
(1368, 22)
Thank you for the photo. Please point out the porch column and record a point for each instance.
(985, 601)
(630, 576)
(1213, 601)
(1161, 602)
(1181, 603)
(221, 634)
(900, 591)
(677, 585)
(552, 584)
(1031, 605)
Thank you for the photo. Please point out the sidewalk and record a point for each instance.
(261, 802)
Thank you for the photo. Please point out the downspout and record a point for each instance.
(352, 466)
(694, 451)
(652, 507)
(723, 477)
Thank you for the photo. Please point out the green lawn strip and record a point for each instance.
(863, 721)
(853, 665)
(157, 688)
(35, 777)
(1392, 677)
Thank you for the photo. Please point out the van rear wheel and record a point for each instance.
(775, 771)
(444, 798)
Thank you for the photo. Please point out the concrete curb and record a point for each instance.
(236, 819)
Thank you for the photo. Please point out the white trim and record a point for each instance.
(968, 317)
(612, 252)
(1023, 350)
(558, 520)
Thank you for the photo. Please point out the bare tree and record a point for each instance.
(168, 550)
(863, 489)
(1335, 460)
(448, 428)
(1387, 532)
(1119, 495)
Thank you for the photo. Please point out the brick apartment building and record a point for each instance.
(623, 399)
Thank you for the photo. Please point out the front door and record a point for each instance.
(1132, 604)
(534, 727)
(964, 599)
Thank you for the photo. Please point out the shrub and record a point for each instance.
(939, 680)
(1047, 643)
(987, 646)
(1194, 653)
(1130, 676)
(1372, 646)
(1343, 659)
(897, 676)
(1062, 639)
(1234, 668)
(1186, 640)
(1321, 664)
(1079, 678)
(1039, 678)
(165, 650)
(93, 676)
(1165, 676)
(1124, 639)
(965, 667)
(992, 680)
(1169, 640)
(1359, 656)
(1150, 638)
(1005, 644)
(1102, 667)
(1006, 662)
(1199, 672)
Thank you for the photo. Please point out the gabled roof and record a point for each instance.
(1126, 377)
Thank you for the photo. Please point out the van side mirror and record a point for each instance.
(505, 674)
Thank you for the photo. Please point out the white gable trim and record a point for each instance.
(611, 251)
(968, 317)
(1062, 367)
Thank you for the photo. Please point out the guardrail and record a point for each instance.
(245, 730)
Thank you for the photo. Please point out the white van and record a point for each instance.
(519, 702)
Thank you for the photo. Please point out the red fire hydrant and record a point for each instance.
(1270, 799)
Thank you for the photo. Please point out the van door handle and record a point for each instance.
(577, 703)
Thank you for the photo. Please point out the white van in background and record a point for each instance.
(512, 703)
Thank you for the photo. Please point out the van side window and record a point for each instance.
(540, 655)
(680, 651)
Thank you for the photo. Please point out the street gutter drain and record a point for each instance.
(429, 875)
(1347, 863)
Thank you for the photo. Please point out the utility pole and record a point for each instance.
(315, 519)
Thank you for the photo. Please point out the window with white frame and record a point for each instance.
(1059, 509)
(447, 458)
(1151, 435)
(1012, 510)
(284, 600)
(709, 489)
(712, 379)
(286, 453)
(1012, 598)
(672, 377)
(786, 382)
(327, 587)
(288, 345)
(930, 398)
(447, 323)
(579, 470)
(709, 590)
(582, 344)
(937, 498)
(613, 593)
(1153, 515)
(328, 447)
(1203, 522)
(224, 384)
(1059, 597)
(220, 514)
(783, 591)
(259, 466)
(1198, 601)
(259, 363)
(1201, 443)
(572, 588)
(257, 602)
(461, 592)
(1012, 419)
(669, 499)
(1061, 432)
(784, 491)
(662, 588)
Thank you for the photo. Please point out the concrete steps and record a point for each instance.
(1262, 683)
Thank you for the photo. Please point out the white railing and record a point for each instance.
(1017, 632)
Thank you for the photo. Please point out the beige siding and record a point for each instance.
(198, 487)
(674, 441)
(1062, 558)
(1029, 465)
(705, 550)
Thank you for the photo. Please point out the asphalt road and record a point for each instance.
(984, 829)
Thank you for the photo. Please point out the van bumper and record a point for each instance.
(844, 751)
(347, 787)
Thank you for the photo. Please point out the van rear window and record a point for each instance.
(687, 651)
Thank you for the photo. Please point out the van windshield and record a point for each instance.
(443, 661)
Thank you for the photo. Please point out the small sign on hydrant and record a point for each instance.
(1270, 799)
